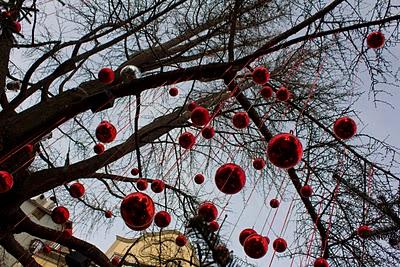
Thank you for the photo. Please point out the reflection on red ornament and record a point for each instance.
(199, 178)
(375, 40)
(108, 214)
(279, 245)
(115, 260)
(306, 191)
(173, 91)
(245, 234)
(162, 219)
(77, 190)
(99, 148)
(208, 211)
(282, 94)
(106, 132)
(230, 178)
(6, 181)
(284, 150)
(241, 120)
(60, 215)
(258, 163)
(135, 171)
(192, 105)
(266, 91)
(142, 184)
(187, 140)
(345, 128)
(321, 262)
(180, 240)
(157, 186)
(137, 211)
(255, 246)
(200, 116)
(106, 75)
(260, 75)
(274, 203)
(213, 226)
(208, 132)
(364, 231)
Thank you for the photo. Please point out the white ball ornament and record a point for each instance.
(130, 72)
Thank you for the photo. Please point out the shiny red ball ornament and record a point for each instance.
(115, 260)
(208, 132)
(282, 94)
(200, 116)
(245, 234)
(173, 91)
(255, 246)
(77, 190)
(181, 240)
(137, 211)
(106, 132)
(260, 75)
(230, 178)
(108, 214)
(321, 262)
(142, 184)
(99, 148)
(258, 163)
(375, 40)
(213, 226)
(60, 215)
(192, 105)
(266, 92)
(284, 150)
(106, 75)
(306, 191)
(135, 171)
(345, 128)
(67, 233)
(187, 140)
(279, 245)
(16, 27)
(241, 120)
(199, 178)
(6, 181)
(274, 203)
(364, 231)
(157, 186)
(208, 211)
(46, 249)
(162, 219)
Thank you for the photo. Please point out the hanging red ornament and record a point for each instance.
(115, 260)
(375, 40)
(282, 94)
(67, 233)
(321, 262)
(46, 249)
(258, 163)
(99, 148)
(260, 75)
(208, 132)
(16, 26)
(240, 120)
(60, 215)
(230, 178)
(173, 91)
(285, 150)
(187, 140)
(142, 184)
(345, 128)
(106, 132)
(208, 211)
(77, 190)
(274, 203)
(255, 246)
(306, 191)
(106, 75)
(199, 178)
(162, 219)
(213, 226)
(245, 234)
(279, 245)
(200, 116)
(192, 105)
(108, 214)
(266, 92)
(135, 171)
(364, 231)
(137, 211)
(157, 186)
(181, 240)
(6, 181)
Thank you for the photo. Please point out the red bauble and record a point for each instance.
(282, 94)
(245, 234)
(60, 215)
(306, 191)
(180, 240)
(200, 116)
(279, 245)
(345, 128)
(208, 132)
(67, 233)
(135, 171)
(241, 120)
(274, 203)
(106, 132)
(187, 140)
(173, 91)
(266, 92)
(192, 105)
(137, 211)
(108, 214)
(6, 181)
(99, 148)
(364, 231)
(162, 219)
(115, 260)
(255, 246)
(230, 178)
(213, 226)
(77, 190)
(321, 262)
(260, 75)
(157, 186)
(46, 249)
(208, 211)
(142, 184)
(258, 163)
(199, 178)
(375, 40)
(106, 75)
(284, 150)
(17, 27)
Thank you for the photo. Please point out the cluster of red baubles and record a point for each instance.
(375, 40)
(241, 120)
(186, 140)
(345, 128)
(60, 215)
(207, 211)
(255, 245)
(6, 181)
(137, 211)
(162, 219)
(284, 150)
(77, 190)
(173, 91)
(260, 75)
(157, 186)
(106, 75)
(106, 132)
(200, 116)
(230, 178)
